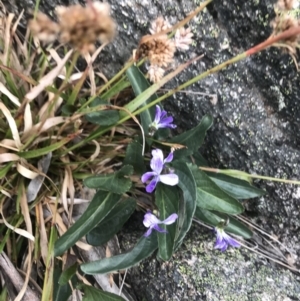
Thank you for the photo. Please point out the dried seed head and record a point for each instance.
(155, 73)
(158, 25)
(287, 4)
(183, 38)
(77, 25)
(83, 26)
(160, 51)
(44, 28)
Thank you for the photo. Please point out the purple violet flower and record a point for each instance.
(161, 121)
(151, 221)
(224, 240)
(157, 164)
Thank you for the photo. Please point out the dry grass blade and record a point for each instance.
(6, 193)
(41, 127)
(19, 74)
(36, 184)
(270, 258)
(15, 26)
(27, 118)
(48, 79)
(49, 108)
(12, 97)
(73, 78)
(43, 233)
(9, 144)
(14, 229)
(71, 190)
(97, 151)
(257, 228)
(12, 125)
(25, 172)
(76, 200)
(90, 59)
(91, 73)
(7, 41)
(8, 157)
(64, 191)
(25, 212)
(8, 268)
(136, 121)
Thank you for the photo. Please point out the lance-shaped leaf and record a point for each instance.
(167, 200)
(93, 294)
(193, 138)
(188, 203)
(66, 275)
(117, 182)
(112, 223)
(211, 197)
(102, 117)
(213, 218)
(135, 157)
(60, 292)
(143, 249)
(139, 84)
(100, 206)
(237, 188)
(45, 150)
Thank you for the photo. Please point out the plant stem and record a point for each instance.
(241, 174)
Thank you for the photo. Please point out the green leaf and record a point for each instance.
(237, 188)
(45, 150)
(60, 292)
(103, 117)
(143, 249)
(5, 169)
(117, 182)
(211, 197)
(68, 110)
(188, 204)
(66, 275)
(193, 138)
(139, 84)
(199, 160)
(166, 199)
(213, 218)
(116, 88)
(135, 157)
(102, 203)
(112, 223)
(93, 294)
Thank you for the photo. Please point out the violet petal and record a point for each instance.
(169, 158)
(151, 186)
(157, 161)
(170, 220)
(150, 219)
(169, 179)
(149, 231)
(146, 176)
(159, 229)
(157, 114)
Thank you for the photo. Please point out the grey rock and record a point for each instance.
(255, 129)
(198, 272)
